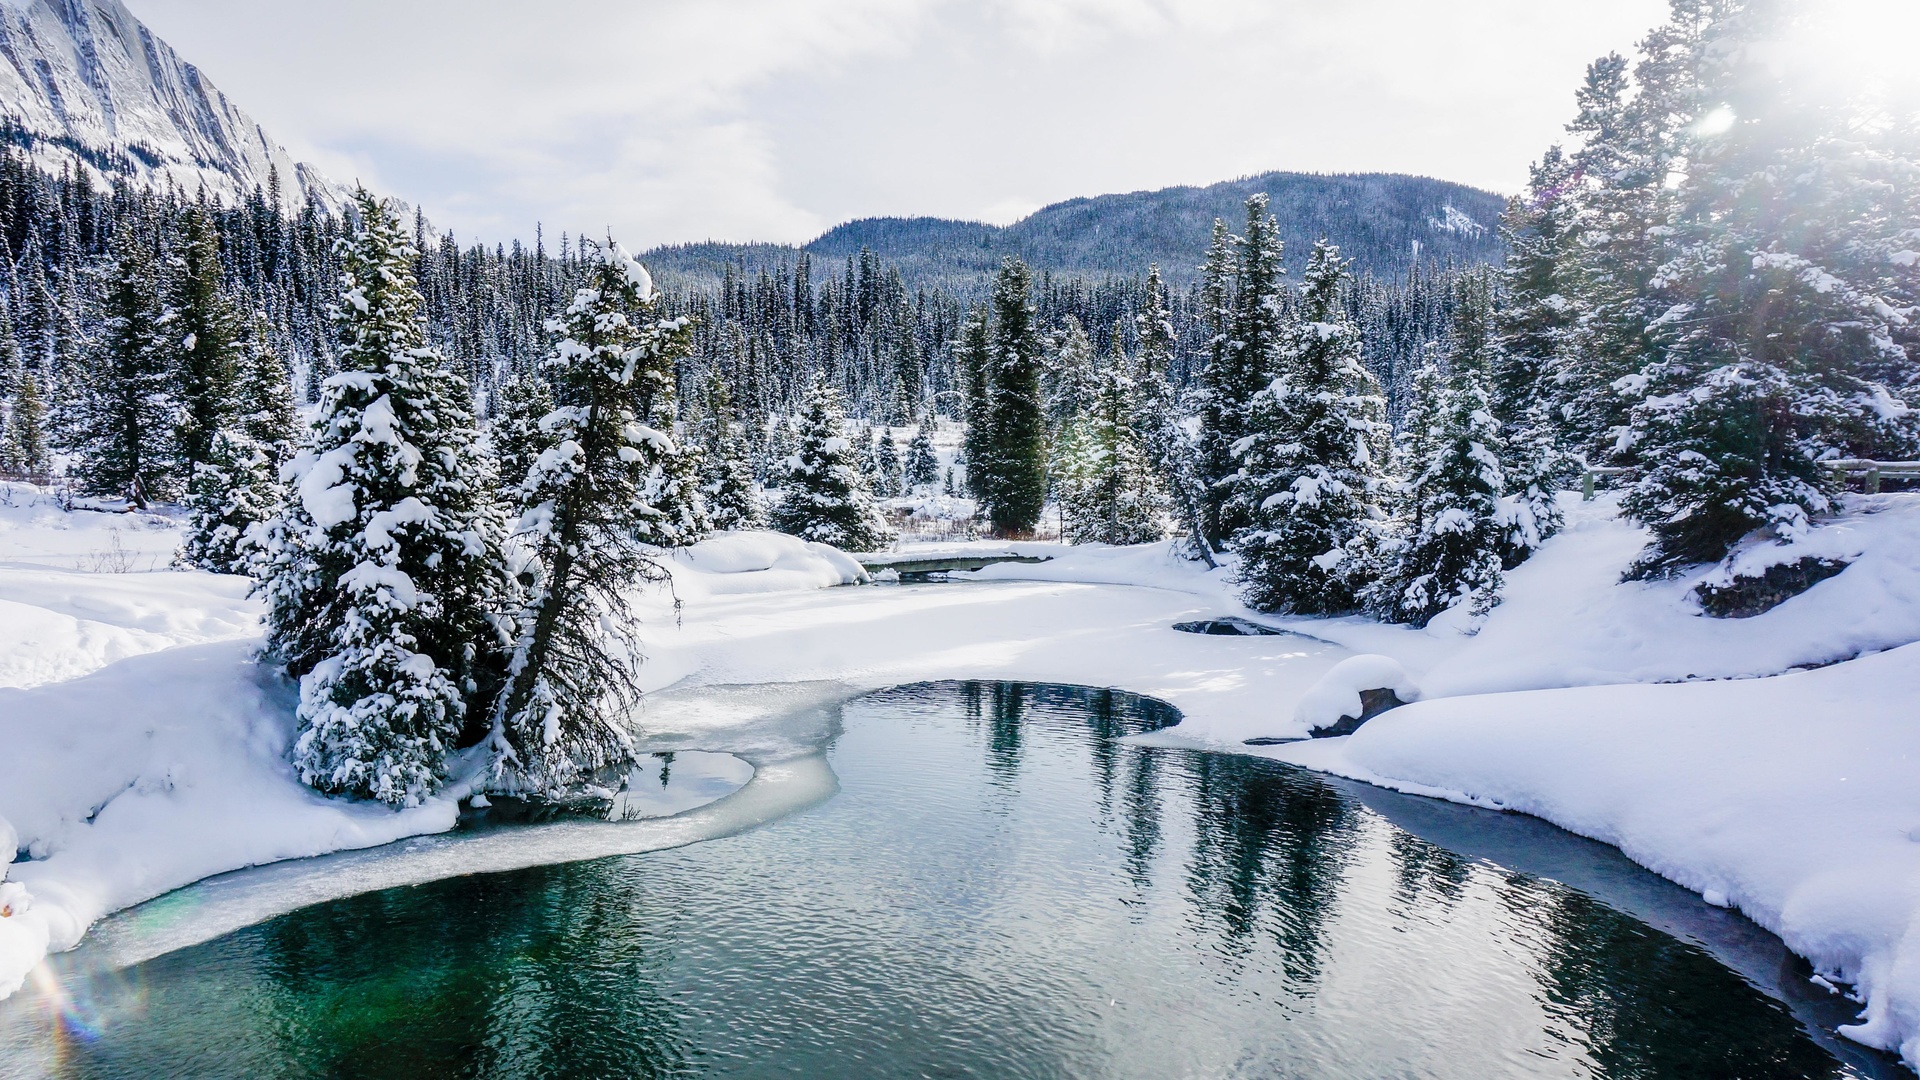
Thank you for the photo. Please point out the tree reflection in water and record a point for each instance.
(1005, 886)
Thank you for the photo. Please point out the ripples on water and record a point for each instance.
(1004, 886)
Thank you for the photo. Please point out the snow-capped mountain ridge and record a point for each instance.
(85, 82)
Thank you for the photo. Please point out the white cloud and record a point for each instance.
(671, 120)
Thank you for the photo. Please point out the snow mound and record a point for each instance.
(1568, 620)
(154, 773)
(763, 562)
(1790, 798)
(1337, 694)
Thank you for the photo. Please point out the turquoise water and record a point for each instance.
(1003, 886)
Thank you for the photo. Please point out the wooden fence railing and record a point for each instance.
(1871, 473)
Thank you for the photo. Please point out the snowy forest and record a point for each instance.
(1707, 295)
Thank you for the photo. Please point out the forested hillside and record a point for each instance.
(1387, 224)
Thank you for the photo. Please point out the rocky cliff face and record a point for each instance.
(84, 81)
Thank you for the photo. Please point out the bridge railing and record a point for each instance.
(1871, 473)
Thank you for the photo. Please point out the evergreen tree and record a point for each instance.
(1016, 437)
(824, 496)
(729, 488)
(1072, 381)
(515, 437)
(975, 375)
(383, 568)
(1455, 531)
(238, 487)
(123, 414)
(1242, 366)
(25, 450)
(201, 333)
(572, 674)
(923, 464)
(1312, 457)
(1536, 316)
(886, 465)
(1109, 493)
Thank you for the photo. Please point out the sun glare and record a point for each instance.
(1861, 45)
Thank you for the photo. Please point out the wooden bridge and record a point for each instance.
(920, 567)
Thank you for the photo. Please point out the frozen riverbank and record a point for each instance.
(139, 766)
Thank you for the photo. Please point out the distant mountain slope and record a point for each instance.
(1376, 218)
(85, 80)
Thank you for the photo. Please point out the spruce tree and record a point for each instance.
(1242, 365)
(1455, 528)
(383, 570)
(1072, 376)
(970, 354)
(574, 664)
(1108, 491)
(515, 436)
(1778, 245)
(922, 469)
(26, 447)
(886, 465)
(122, 420)
(731, 497)
(824, 496)
(201, 332)
(1312, 457)
(1016, 435)
(238, 487)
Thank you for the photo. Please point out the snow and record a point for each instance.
(1337, 694)
(760, 562)
(1791, 798)
(141, 749)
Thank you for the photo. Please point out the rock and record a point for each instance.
(1745, 597)
(1372, 704)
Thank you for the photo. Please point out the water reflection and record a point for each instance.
(1004, 887)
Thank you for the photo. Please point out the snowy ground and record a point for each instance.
(140, 750)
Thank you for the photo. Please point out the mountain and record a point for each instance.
(1384, 222)
(83, 80)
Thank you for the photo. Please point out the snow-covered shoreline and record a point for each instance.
(145, 750)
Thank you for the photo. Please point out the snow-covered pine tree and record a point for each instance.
(730, 494)
(1455, 525)
(122, 416)
(1785, 320)
(886, 465)
(1016, 438)
(1535, 317)
(1217, 411)
(1072, 381)
(571, 675)
(1244, 363)
(824, 496)
(922, 469)
(681, 517)
(515, 436)
(1537, 471)
(201, 337)
(1317, 435)
(970, 357)
(25, 451)
(1108, 491)
(383, 572)
(239, 487)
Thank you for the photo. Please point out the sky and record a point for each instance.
(668, 121)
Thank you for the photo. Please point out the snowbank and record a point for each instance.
(139, 749)
(761, 562)
(1791, 798)
(1568, 620)
(1337, 694)
(154, 773)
